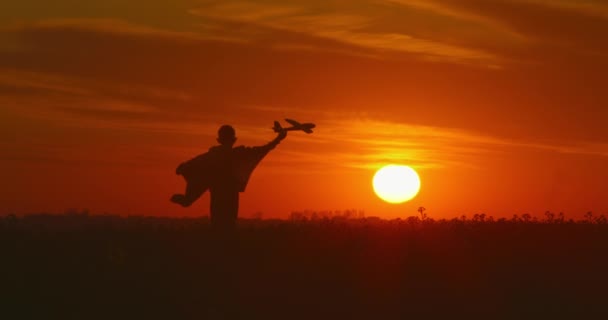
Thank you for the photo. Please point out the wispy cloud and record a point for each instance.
(452, 9)
(88, 103)
(369, 144)
(457, 8)
(527, 29)
(378, 143)
(343, 141)
(597, 8)
(29, 80)
(112, 26)
(444, 8)
(348, 28)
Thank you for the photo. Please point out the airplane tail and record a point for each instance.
(277, 127)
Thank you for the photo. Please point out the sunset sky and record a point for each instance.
(500, 105)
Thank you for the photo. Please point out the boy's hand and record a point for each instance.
(282, 134)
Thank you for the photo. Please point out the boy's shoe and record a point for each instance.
(180, 199)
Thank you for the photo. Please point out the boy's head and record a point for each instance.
(226, 135)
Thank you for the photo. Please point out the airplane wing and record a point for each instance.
(293, 122)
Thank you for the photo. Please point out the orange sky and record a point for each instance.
(500, 105)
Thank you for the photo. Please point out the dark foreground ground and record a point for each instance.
(81, 267)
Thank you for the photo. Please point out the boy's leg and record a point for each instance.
(224, 209)
(194, 190)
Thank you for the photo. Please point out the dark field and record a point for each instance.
(106, 267)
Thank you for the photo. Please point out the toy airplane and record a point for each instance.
(296, 126)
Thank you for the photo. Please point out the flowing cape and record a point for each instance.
(245, 160)
(201, 172)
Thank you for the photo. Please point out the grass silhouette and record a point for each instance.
(315, 265)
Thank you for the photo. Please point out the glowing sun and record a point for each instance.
(396, 184)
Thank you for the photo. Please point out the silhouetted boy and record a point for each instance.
(225, 171)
